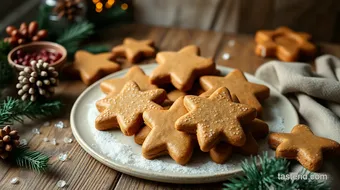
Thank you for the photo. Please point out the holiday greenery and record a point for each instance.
(267, 176)
(73, 36)
(26, 158)
(15, 110)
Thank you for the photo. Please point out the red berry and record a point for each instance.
(20, 60)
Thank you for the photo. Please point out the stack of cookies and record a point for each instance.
(218, 114)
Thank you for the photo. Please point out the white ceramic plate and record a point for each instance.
(121, 153)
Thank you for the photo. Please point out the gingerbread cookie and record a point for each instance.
(135, 74)
(164, 138)
(215, 119)
(92, 67)
(301, 144)
(254, 130)
(247, 92)
(126, 108)
(175, 94)
(221, 152)
(284, 44)
(141, 135)
(258, 128)
(181, 68)
(133, 50)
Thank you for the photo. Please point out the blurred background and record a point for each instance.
(320, 18)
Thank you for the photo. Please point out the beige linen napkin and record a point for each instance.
(315, 95)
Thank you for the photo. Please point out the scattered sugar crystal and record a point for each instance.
(62, 157)
(15, 180)
(46, 124)
(226, 56)
(23, 142)
(68, 140)
(61, 183)
(54, 141)
(36, 131)
(231, 43)
(45, 139)
(60, 125)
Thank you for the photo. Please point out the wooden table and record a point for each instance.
(81, 171)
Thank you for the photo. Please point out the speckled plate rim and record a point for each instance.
(159, 176)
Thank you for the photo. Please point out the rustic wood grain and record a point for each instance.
(81, 171)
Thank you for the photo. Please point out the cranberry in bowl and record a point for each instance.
(52, 53)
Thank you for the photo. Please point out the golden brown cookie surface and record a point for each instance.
(301, 144)
(221, 152)
(126, 108)
(253, 130)
(92, 67)
(246, 92)
(164, 138)
(135, 73)
(181, 68)
(141, 135)
(134, 50)
(283, 43)
(215, 119)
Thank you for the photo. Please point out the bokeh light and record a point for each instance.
(124, 6)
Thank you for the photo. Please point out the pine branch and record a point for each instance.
(72, 37)
(15, 110)
(26, 158)
(267, 177)
(96, 48)
(42, 17)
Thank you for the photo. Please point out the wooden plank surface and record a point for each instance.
(81, 171)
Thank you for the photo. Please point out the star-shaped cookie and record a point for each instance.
(301, 144)
(256, 129)
(92, 67)
(284, 44)
(164, 138)
(181, 68)
(135, 73)
(126, 108)
(215, 119)
(133, 50)
(247, 92)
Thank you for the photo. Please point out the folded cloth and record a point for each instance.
(315, 95)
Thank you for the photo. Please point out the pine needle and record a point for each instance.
(267, 177)
(96, 48)
(33, 160)
(15, 110)
(72, 37)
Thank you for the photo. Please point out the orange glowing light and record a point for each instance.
(99, 5)
(111, 2)
(95, 1)
(108, 5)
(99, 10)
(124, 6)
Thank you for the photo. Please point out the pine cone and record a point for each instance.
(37, 81)
(25, 34)
(68, 9)
(9, 140)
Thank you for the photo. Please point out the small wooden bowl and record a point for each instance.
(36, 47)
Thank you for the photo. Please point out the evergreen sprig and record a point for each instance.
(96, 48)
(15, 110)
(26, 158)
(72, 37)
(267, 176)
